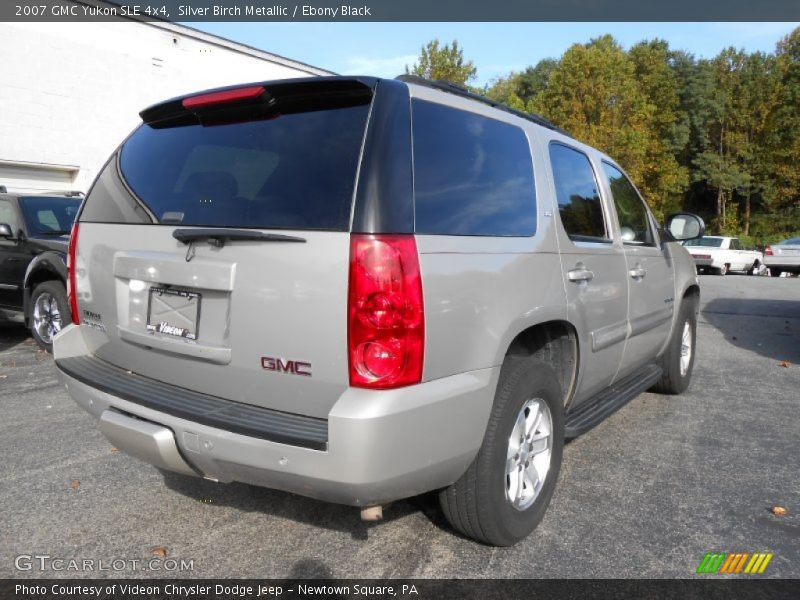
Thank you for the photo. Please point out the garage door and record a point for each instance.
(22, 177)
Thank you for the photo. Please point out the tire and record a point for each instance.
(775, 272)
(723, 270)
(675, 379)
(753, 268)
(478, 505)
(48, 312)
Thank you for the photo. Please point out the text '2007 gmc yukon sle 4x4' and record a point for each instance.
(361, 290)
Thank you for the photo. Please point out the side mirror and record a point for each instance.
(685, 226)
(5, 231)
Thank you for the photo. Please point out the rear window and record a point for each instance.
(472, 175)
(293, 171)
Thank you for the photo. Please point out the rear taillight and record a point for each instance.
(72, 290)
(386, 319)
(223, 97)
(768, 251)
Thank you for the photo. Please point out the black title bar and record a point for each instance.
(400, 10)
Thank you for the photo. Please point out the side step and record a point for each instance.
(589, 413)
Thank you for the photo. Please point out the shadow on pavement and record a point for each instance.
(336, 517)
(770, 328)
(11, 334)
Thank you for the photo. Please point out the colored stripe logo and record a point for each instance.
(735, 563)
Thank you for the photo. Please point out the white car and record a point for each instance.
(783, 257)
(720, 254)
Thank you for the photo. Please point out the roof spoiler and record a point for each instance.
(259, 100)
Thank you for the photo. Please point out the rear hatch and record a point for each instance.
(213, 248)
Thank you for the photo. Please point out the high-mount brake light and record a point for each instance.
(386, 319)
(223, 97)
(72, 268)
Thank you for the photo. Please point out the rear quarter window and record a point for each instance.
(472, 175)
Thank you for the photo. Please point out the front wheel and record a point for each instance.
(678, 359)
(48, 312)
(506, 490)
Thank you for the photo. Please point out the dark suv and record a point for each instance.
(34, 235)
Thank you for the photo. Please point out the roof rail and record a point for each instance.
(458, 90)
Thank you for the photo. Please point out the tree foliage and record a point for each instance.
(443, 62)
(719, 136)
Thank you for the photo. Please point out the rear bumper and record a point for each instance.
(784, 263)
(381, 445)
(703, 262)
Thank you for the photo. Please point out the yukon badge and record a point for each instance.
(293, 367)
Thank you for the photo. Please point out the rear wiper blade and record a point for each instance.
(218, 237)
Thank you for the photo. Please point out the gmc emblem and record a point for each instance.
(295, 367)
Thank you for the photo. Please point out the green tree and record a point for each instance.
(518, 90)
(722, 163)
(668, 133)
(592, 92)
(443, 62)
(758, 103)
(784, 143)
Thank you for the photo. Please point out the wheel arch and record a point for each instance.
(555, 343)
(48, 266)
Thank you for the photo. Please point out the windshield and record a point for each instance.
(49, 215)
(707, 242)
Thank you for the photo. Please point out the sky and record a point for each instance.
(384, 49)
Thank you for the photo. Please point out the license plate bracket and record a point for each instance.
(173, 312)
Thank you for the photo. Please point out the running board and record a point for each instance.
(610, 400)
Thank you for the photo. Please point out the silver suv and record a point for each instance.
(361, 290)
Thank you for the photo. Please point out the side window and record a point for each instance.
(633, 222)
(735, 244)
(472, 175)
(8, 215)
(576, 191)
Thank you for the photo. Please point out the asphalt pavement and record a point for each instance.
(645, 494)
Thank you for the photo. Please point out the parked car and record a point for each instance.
(296, 285)
(34, 234)
(783, 257)
(721, 254)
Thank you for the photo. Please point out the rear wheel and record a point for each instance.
(48, 312)
(678, 359)
(504, 494)
(723, 270)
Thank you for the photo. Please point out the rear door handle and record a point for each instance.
(578, 275)
(638, 273)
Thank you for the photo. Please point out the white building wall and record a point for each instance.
(69, 94)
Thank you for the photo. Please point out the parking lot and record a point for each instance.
(645, 494)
